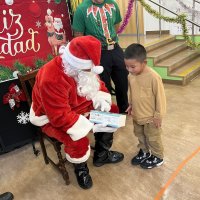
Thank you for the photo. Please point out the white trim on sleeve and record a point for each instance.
(80, 129)
(37, 120)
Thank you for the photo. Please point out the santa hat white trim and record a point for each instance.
(79, 160)
(76, 62)
(80, 129)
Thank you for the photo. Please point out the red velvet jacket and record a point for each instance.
(55, 95)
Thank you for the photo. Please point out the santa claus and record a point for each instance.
(59, 30)
(66, 89)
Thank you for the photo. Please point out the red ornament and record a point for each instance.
(34, 9)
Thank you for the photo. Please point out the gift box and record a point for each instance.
(110, 119)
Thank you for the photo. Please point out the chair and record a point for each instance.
(27, 82)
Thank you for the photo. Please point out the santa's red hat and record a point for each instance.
(83, 53)
(58, 16)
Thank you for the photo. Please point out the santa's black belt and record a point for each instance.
(109, 47)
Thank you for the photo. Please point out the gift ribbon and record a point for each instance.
(14, 96)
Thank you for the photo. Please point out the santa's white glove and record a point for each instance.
(102, 105)
(102, 101)
(103, 128)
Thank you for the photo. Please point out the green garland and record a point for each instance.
(21, 67)
(180, 19)
(6, 73)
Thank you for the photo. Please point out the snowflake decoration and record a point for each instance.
(48, 1)
(38, 24)
(23, 118)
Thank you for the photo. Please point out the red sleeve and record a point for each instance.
(103, 87)
(55, 100)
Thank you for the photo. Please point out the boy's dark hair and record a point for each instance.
(135, 51)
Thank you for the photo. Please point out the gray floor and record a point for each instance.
(30, 179)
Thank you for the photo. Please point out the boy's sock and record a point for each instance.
(140, 157)
(151, 162)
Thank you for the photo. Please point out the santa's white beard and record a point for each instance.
(58, 26)
(87, 82)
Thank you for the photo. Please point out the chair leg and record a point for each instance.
(44, 152)
(62, 164)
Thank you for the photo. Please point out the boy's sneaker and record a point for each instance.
(151, 162)
(140, 157)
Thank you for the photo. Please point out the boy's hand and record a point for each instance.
(157, 122)
(129, 110)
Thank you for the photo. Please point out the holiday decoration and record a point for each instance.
(39, 63)
(14, 96)
(180, 19)
(7, 73)
(55, 31)
(34, 9)
(25, 37)
(15, 129)
(21, 68)
(23, 118)
(127, 16)
(57, 1)
(9, 2)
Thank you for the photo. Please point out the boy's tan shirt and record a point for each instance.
(147, 96)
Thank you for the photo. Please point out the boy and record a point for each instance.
(147, 105)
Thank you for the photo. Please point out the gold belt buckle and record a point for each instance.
(110, 43)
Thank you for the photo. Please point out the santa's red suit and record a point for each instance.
(59, 108)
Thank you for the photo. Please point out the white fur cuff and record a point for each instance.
(74, 61)
(80, 129)
(79, 160)
(38, 120)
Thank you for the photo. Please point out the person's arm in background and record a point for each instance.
(118, 18)
(117, 27)
(78, 24)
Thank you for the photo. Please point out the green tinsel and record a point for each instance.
(21, 67)
(49, 57)
(5, 73)
(180, 19)
(39, 63)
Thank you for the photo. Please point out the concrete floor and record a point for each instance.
(30, 179)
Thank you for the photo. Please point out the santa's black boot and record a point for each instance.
(102, 155)
(82, 175)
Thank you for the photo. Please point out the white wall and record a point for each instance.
(151, 23)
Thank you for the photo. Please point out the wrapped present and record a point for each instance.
(110, 119)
